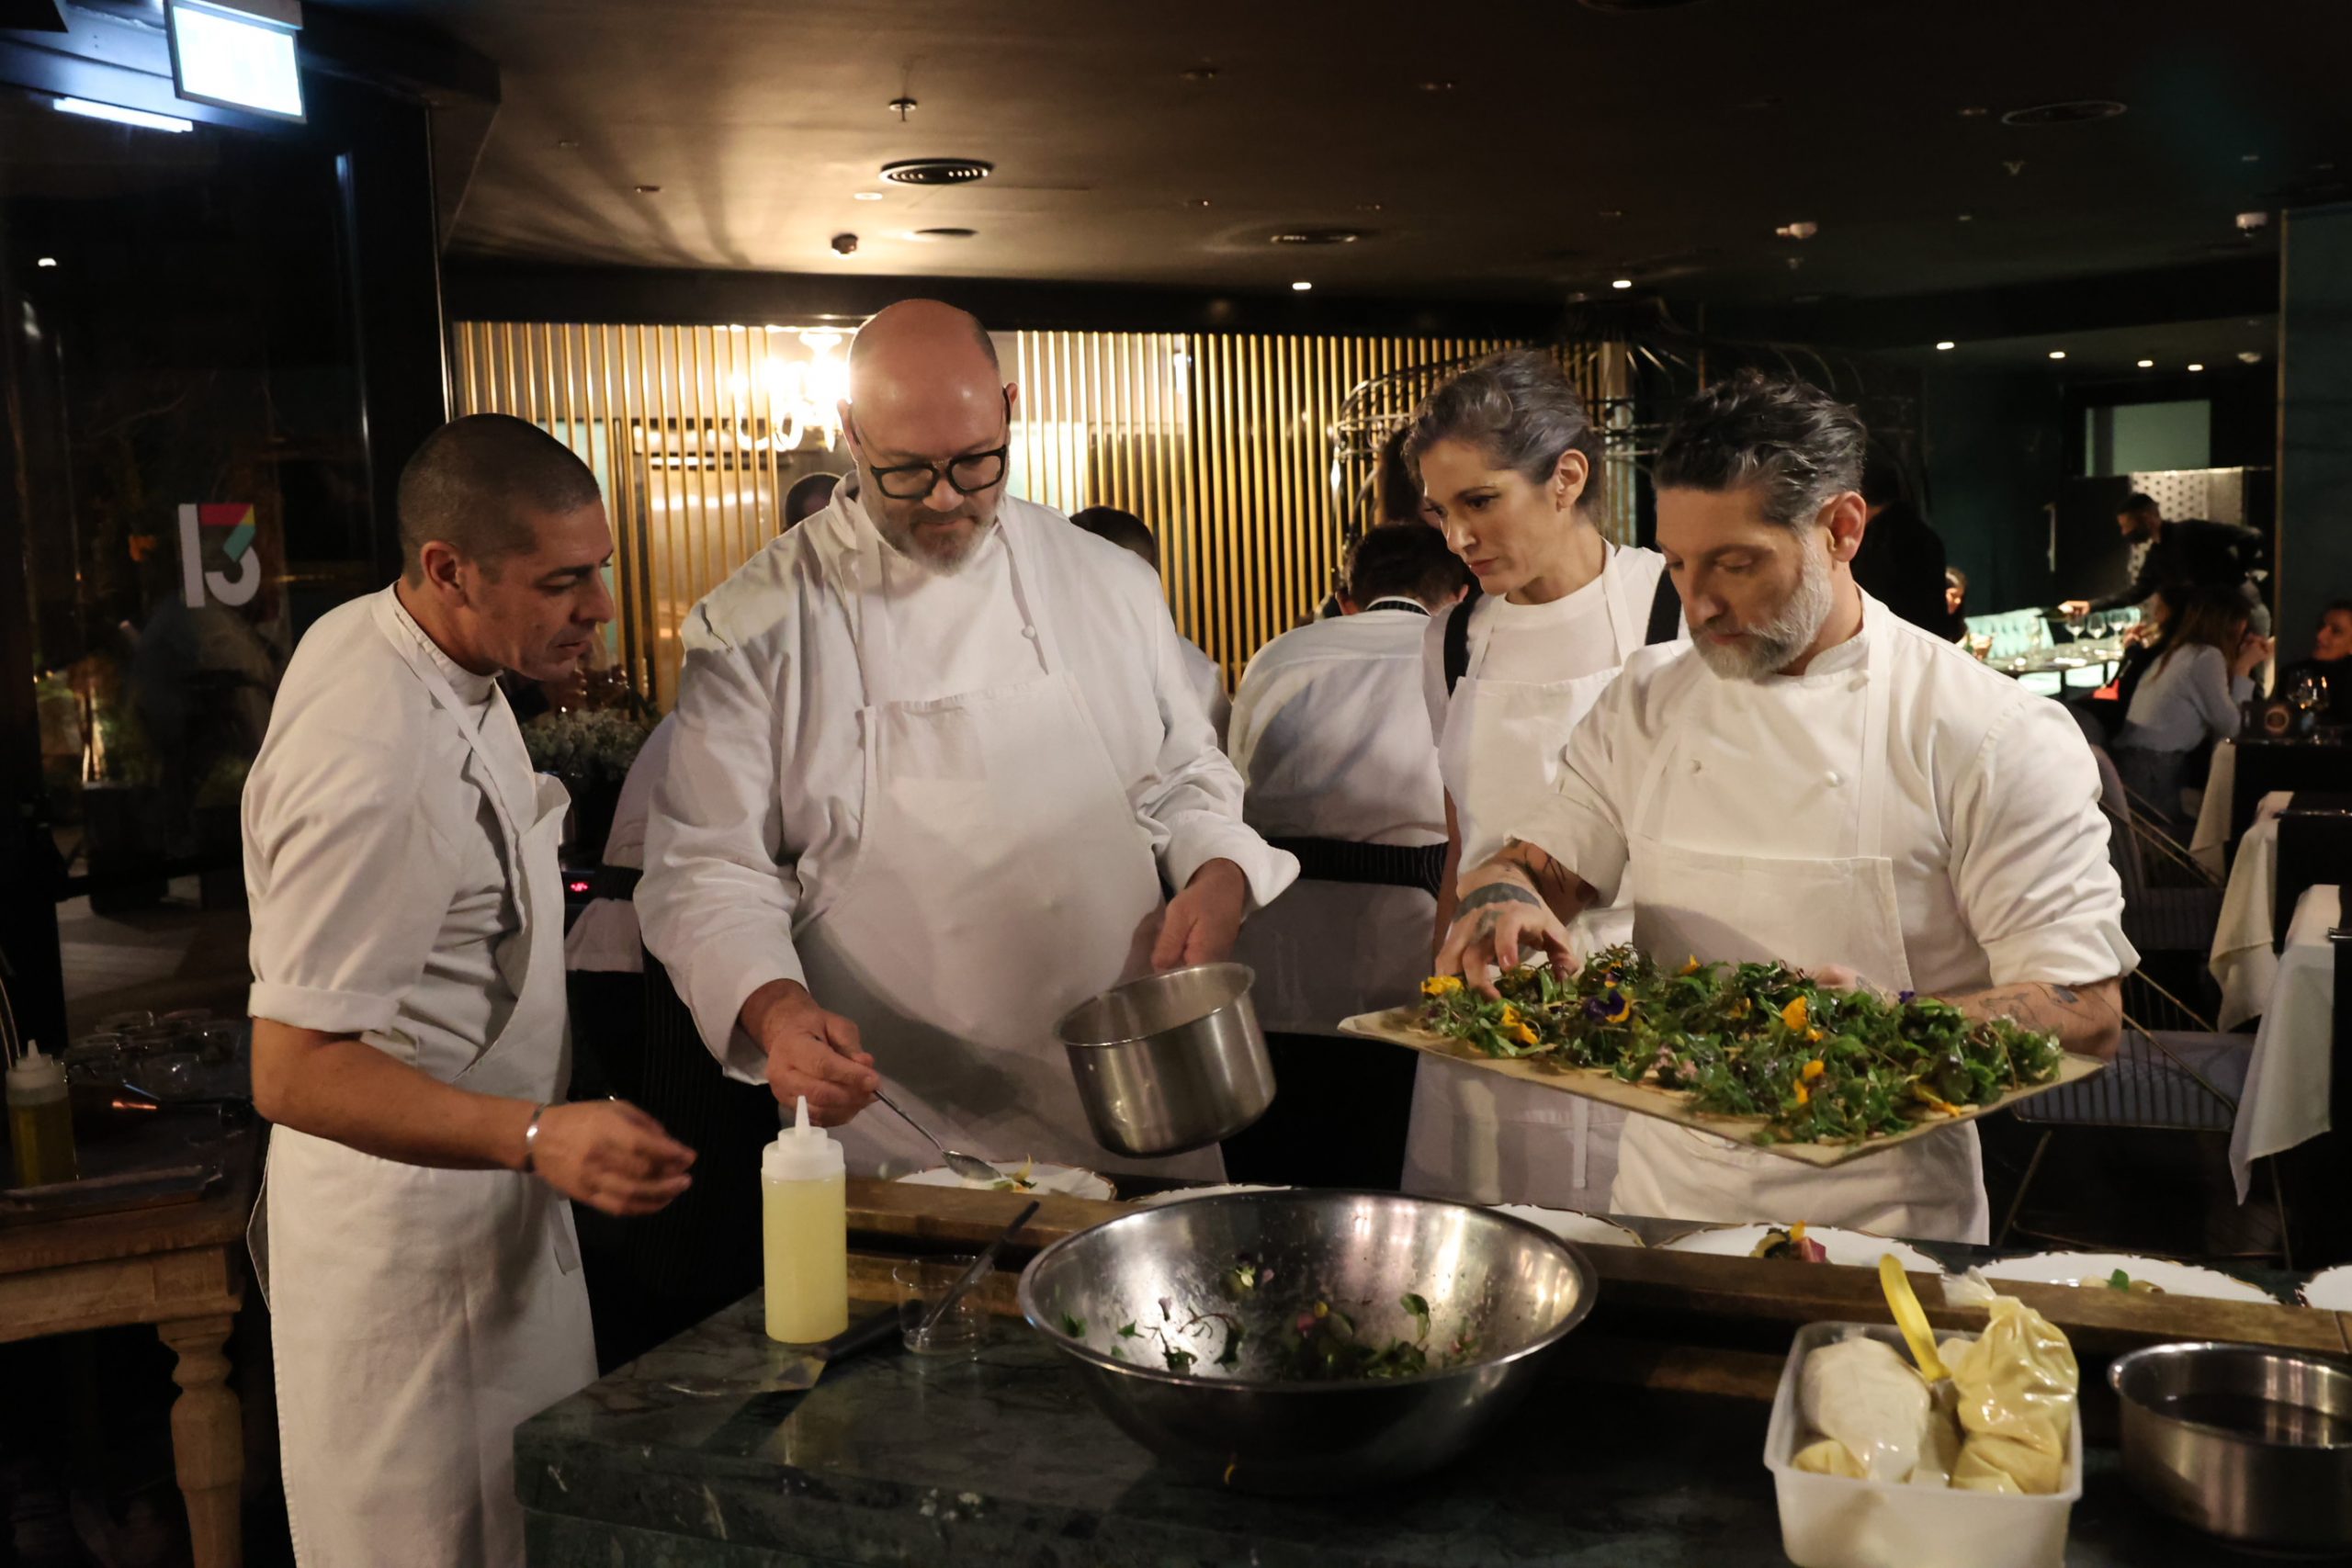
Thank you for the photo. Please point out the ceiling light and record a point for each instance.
(565, 143)
(46, 261)
(2249, 157)
(1947, 343)
(1968, 218)
(930, 235)
(2070, 111)
(2147, 365)
(2057, 354)
(937, 171)
(1301, 287)
(1315, 237)
(120, 116)
(2249, 357)
(1438, 86)
(1974, 112)
(239, 53)
(2197, 368)
(1800, 231)
(1621, 283)
(865, 195)
(647, 190)
(1199, 73)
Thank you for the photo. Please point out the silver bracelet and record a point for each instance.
(531, 1138)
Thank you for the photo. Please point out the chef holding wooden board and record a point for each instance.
(1814, 781)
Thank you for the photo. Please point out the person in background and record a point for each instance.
(413, 1240)
(935, 753)
(1334, 751)
(1131, 534)
(1818, 782)
(1510, 464)
(2330, 663)
(810, 494)
(2191, 551)
(2146, 638)
(1956, 601)
(2190, 696)
(1901, 563)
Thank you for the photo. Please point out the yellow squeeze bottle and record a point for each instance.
(804, 1206)
(40, 1120)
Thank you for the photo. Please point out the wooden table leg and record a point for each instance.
(208, 1441)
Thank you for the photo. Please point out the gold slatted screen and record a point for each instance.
(1220, 441)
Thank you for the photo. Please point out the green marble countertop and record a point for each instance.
(679, 1460)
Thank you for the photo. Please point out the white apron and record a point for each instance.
(1477, 1136)
(1001, 877)
(1808, 913)
(417, 1316)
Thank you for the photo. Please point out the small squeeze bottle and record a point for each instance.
(806, 1222)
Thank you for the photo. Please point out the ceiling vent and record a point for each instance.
(1315, 236)
(937, 171)
(2073, 111)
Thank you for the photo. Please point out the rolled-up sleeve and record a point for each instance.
(350, 883)
(2030, 855)
(718, 895)
(1581, 824)
(1192, 804)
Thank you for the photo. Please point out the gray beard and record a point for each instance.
(946, 556)
(1774, 646)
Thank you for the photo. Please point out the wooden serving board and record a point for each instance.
(1400, 1026)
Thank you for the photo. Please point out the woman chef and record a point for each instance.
(408, 1009)
(1510, 464)
(1824, 784)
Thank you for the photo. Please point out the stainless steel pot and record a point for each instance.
(2249, 1443)
(1127, 1300)
(1171, 1062)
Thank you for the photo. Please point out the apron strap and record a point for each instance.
(1379, 866)
(1457, 639)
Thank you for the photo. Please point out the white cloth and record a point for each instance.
(1986, 815)
(2208, 843)
(783, 769)
(416, 1316)
(606, 936)
(2291, 1075)
(1208, 685)
(2187, 697)
(1533, 670)
(2242, 959)
(1330, 740)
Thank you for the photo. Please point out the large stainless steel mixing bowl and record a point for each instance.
(1502, 1289)
(2251, 1443)
(1171, 1062)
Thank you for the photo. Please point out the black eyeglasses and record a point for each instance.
(973, 472)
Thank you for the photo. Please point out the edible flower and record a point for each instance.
(1440, 985)
(1614, 1008)
(1804, 1095)
(1793, 1015)
(1814, 1069)
(1691, 968)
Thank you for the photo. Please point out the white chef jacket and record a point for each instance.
(1208, 684)
(1539, 644)
(765, 788)
(1329, 735)
(373, 857)
(1991, 809)
(605, 938)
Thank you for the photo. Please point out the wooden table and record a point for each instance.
(181, 1268)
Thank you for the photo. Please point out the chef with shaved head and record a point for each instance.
(939, 776)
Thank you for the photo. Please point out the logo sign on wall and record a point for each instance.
(228, 529)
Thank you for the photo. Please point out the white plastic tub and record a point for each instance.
(1827, 1521)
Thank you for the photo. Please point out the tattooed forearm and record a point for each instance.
(1566, 891)
(2087, 1019)
(1495, 893)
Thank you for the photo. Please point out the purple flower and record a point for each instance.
(1904, 995)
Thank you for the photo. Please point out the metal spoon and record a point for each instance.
(971, 1167)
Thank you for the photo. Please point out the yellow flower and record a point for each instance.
(1813, 1070)
(1934, 1101)
(1509, 1020)
(1691, 968)
(1814, 1036)
(1526, 1035)
(1440, 985)
(1793, 1015)
(1804, 1095)
(1618, 1008)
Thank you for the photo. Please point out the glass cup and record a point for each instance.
(922, 1283)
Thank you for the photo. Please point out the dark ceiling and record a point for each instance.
(1488, 151)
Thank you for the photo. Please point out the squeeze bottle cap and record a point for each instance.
(801, 1152)
(35, 1073)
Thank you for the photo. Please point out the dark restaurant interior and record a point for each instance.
(2079, 278)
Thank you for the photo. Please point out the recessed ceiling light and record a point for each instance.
(1610, 214)
(2197, 368)
(2057, 354)
(46, 261)
(2070, 111)
(937, 171)
(1301, 287)
(2147, 365)
(648, 190)
(1437, 87)
(1802, 230)
(2249, 157)
(1199, 73)
(1968, 218)
(1315, 237)
(566, 143)
(1621, 283)
(865, 195)
(1947, 342)
(1974, 112)
(1196, 202)
(1367, 207)
(2249, 357)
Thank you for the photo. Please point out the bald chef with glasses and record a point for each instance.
(937, 763)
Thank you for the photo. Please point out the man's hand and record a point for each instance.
(1203, 921)
(811, 1052)
(1500, 916)
(610, 1155)
(2074, 609)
